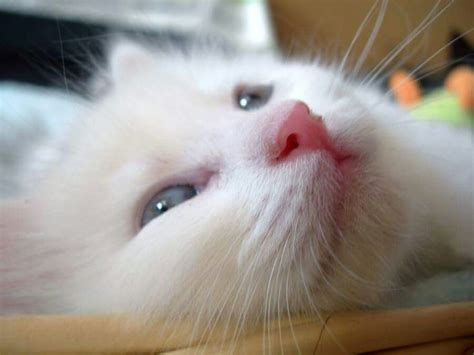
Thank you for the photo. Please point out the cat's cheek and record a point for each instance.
(175, 256)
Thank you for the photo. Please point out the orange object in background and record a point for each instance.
(461, 83)
(405, 88)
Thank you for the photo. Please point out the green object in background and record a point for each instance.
(441, 105)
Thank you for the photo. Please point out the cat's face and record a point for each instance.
(275, 225)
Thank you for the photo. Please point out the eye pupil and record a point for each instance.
(165, 200)
(253, 97)
(162, 206)
(246, 101)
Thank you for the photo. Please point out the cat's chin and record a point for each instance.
(347, 166)
(343, 164)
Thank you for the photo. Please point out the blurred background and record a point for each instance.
(38, 36)
(41, 41)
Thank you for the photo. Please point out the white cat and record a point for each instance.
(213, 186)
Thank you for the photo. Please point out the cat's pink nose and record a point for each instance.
(299, 130)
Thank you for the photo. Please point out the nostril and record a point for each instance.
(291, 144)
(298, 131)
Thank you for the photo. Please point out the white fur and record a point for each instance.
(259, 240)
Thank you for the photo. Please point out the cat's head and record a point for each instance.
(200, 183)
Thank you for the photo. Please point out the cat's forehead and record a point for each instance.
(214, 73)
(168, 75)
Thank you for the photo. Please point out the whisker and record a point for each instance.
(373, 36)
(349, 272)
(268, 302)
(344, 60)
(331, 286)
(295, 340)
(356, 36)
(412, 72)
(427, 73)
(427, 21)
(61, 47)
(322, 319)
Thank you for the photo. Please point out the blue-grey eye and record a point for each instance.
(252, 97)
(166, 199)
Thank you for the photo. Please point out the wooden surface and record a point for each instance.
(327, 27)
(461, 346)
(368, 332)
(443, 327)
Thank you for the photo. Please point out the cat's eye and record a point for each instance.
(252, 97)
(166, 199)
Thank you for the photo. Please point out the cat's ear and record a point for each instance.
(124, 59)
(127, 58)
